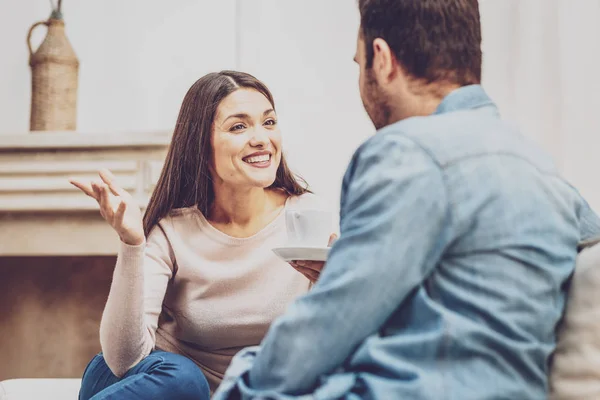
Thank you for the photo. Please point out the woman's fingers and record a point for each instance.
(332, 239)
(309, 273)
(120, 213)
(96, 189)
(84, 187)
(310, 269)
(316, 266)
(108, 178)
(113, 203)
(105, 203)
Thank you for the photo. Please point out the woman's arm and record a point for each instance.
(140, 279)
(130, 318)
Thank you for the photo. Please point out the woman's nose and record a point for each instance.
(260, 137)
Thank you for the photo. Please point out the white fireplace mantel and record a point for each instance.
(41, 214)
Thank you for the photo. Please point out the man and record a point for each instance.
(457, 240)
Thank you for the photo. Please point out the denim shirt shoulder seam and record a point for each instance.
(449, 205)
(500, 153)
(442, 172)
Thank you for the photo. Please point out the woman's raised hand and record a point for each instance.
(117, 207)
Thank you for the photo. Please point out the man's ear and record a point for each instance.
(384, 61)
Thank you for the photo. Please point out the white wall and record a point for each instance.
(138, 58)
(541, 63)
(303, 50)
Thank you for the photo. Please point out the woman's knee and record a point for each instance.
(96, 375)
(188, 380)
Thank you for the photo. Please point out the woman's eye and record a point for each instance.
(270, 122)
(237, 127)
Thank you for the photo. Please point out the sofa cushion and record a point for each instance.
(47, 389)
(575, 370)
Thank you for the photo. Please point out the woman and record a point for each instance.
(195, 279)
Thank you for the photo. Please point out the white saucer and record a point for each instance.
(288, 254)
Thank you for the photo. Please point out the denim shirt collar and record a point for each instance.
(464, 98)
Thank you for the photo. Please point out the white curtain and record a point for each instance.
(542, 66)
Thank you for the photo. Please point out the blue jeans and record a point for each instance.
(161, 375)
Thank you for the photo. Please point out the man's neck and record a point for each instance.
(420, 102)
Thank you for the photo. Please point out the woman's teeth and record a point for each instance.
(258, 159)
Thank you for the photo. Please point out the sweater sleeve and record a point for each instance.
(130, 318)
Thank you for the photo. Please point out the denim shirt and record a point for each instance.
(457, 241)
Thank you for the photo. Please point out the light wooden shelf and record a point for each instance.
(42, 214)
(82, 140)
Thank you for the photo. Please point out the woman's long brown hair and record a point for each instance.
(185, 180)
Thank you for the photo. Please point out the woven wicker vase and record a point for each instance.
(54, 76)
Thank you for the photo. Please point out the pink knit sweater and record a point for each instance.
(193, 290)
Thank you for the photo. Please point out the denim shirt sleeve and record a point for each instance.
(395, 224)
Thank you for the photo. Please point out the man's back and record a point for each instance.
(482, 323)
(449, 277)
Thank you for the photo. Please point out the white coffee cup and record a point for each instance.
(308, 228)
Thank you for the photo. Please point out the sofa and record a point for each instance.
(32, 389)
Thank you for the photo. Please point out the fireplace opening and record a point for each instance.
(50, 310)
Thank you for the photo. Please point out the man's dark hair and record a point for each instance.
(433, 40)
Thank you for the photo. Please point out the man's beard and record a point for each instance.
(375, 102)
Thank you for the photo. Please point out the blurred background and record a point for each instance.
(137, 60)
